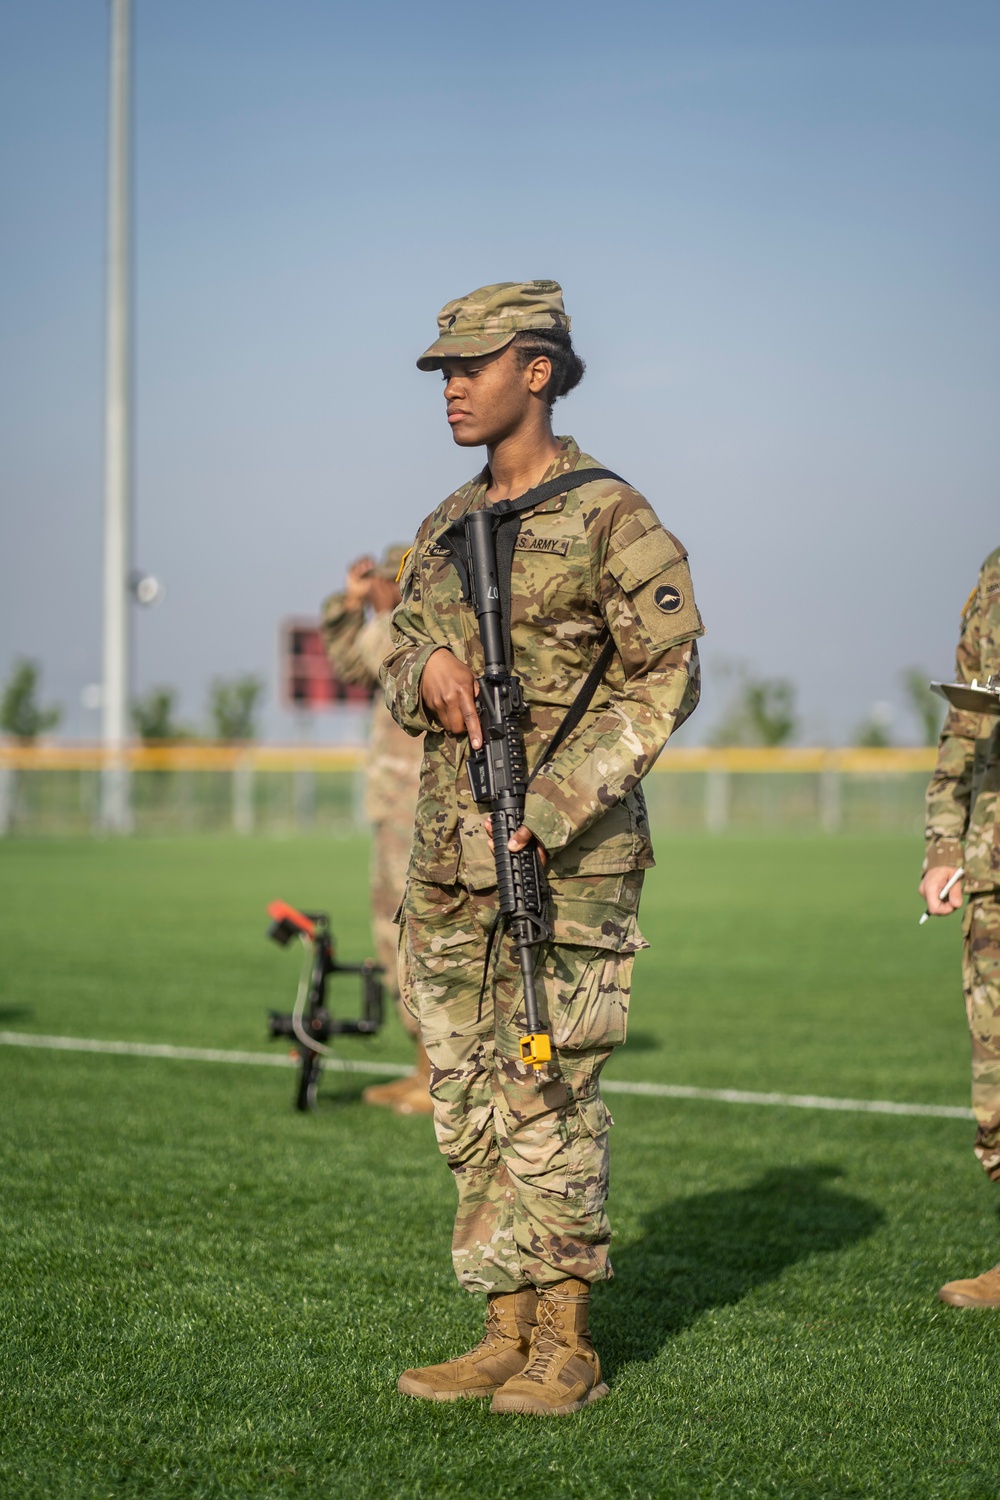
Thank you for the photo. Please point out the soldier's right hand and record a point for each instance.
(448, 691)
(359, 580)
(933, 884)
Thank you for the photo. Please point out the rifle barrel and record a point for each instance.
(527, 962)
(486, 589)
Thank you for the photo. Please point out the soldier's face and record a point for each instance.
(490, 398)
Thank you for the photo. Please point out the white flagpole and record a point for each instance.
(116, 811)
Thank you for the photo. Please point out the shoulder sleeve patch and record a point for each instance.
(664, 608)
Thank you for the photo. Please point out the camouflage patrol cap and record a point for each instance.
(486, 320)
(391, 560)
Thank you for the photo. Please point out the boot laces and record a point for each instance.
(547, 1342)
(494, 1331)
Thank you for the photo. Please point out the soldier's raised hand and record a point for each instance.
(359, 581)
(448, 691)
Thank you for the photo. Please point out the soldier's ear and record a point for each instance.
(539, 373)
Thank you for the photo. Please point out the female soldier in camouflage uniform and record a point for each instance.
(530, 1162)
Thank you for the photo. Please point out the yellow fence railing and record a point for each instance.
(185, 755)
(204, 756)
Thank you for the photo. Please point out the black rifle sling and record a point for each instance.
(505, 511)
(506, 537)
(453, 536)
(580, 704)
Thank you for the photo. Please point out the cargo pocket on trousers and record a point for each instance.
(443, 963)
(588, 1166)
(403, 971)
(593, 1011)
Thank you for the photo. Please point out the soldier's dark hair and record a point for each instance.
(557, 346)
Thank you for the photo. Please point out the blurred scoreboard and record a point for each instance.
(308, 682)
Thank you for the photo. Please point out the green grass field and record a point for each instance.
(206, 1294)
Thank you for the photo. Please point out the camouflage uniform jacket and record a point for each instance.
(593, 558)
(963, 799)
(356, 647)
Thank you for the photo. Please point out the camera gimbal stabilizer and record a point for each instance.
(310, 1025)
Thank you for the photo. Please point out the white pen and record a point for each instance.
(944, 891)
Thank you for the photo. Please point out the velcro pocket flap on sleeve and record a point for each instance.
(638, 555)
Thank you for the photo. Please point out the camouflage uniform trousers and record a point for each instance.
(981, 983)
(389, 857)
(530, 1163)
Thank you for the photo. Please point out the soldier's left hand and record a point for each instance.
(517, 841)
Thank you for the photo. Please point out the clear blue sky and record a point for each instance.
(777, 229)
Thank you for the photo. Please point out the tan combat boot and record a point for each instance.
(390, 1094)
(977, 1291)
(563, 1372)
(387, 1094)
(416, 1099)
(500, 1353)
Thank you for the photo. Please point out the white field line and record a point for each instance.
(608, 1086)
(790, 1101)
(279, 1059)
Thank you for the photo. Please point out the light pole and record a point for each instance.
(116, 808)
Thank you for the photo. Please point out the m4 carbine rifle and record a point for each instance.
(498, 775)
(498, 772)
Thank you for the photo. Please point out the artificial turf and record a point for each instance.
(207, 1294)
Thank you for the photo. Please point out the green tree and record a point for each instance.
(21, 714)
(153, 716)
(875, 732)
(770, 707)
(233, 705)
(925, 706)
(761, 710)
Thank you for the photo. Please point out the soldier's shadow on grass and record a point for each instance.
(643, 1041)
(711, 1249)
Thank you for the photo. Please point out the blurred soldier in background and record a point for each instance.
(356, 632)
(963, 832)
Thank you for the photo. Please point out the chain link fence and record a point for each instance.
(56, 790)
